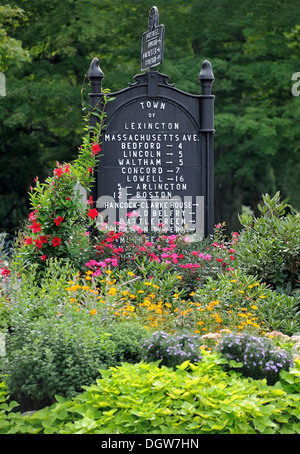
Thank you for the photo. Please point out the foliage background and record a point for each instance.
(45, 51)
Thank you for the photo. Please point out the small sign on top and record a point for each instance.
(153, 42)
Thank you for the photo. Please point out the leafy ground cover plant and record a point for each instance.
(193, 399)
(257, 356)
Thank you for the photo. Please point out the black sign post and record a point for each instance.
(157, 147)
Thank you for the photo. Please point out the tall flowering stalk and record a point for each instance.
(58, 220)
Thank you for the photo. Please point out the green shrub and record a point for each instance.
(148, 399)
(48, 357)
(258, 357)
(127, 338)
(269, 246)
(239, 294)
(172, 350)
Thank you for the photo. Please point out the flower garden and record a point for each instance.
(110, 329)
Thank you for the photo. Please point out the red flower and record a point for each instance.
(219, 260)
(31, 217)
(43, 238)
(67, 168)
(58, 220)
(28, 241)
(35, 227)
(93, 213)
(38, 243)
(43, 257)
(5, 271)
(95, 148)
(56, 241)
(58, 172)
(90, 201)
(90, 170)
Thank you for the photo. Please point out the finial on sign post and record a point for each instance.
(153, 18)
(95, 75)
(206, 77)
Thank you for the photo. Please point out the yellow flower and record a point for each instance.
(254, 307)
(179, 277)
(93, 312)
(141, 291)
(112, 291)
(130, 273)
(262, 296)
(88, 278)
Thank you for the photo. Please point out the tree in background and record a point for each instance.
(253, 47)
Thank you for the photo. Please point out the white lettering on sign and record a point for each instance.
(153, 159)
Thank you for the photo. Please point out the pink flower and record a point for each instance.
(132, 214)
(67, 168)
(148, 244)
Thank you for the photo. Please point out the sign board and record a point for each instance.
(153, 42)
(157, 153)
